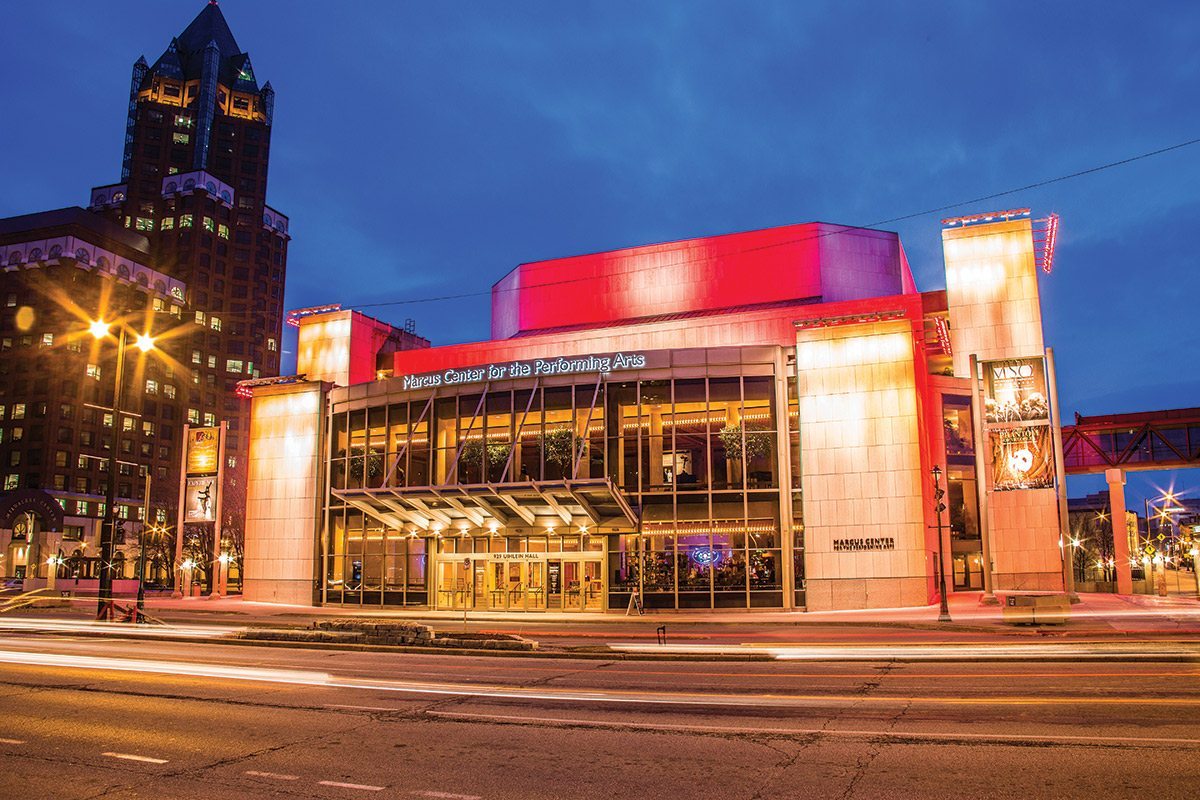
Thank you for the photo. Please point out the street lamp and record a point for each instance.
(108, 530)
(938, 494)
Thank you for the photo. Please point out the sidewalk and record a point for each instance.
(1094, 614)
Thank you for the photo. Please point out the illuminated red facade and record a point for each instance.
(650, 296)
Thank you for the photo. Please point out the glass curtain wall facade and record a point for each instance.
(697, 452)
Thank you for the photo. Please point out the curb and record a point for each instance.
(664, 657)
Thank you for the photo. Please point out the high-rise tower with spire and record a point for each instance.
(194, 182)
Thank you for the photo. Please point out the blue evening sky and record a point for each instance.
(424, 149)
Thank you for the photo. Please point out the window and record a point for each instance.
(86, 438)
(180, 138)
(151, 387)
(11, 481)
(168, 223)
(147, 427)
(193, 416)
(199, 317)
(210, 420)
(212, 362)
(12, 301)
(214, 323)
(108, 419)
(93, 371)
(223, 231)
(169, 391)
(75, 346)
(66, 411)
(233, 365)
(272, 345)
(183, 121)
(195, 356)
(6, 343)
(185, 220)
(143, 224)
(209, 225)
(60, 483)
(60, 458)
(47, 340)
(195, 376)
(18, 411)
(82, 463)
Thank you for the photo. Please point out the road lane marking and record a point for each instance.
(130, 757)
(359, 708)
(444, 795)
(12, 741)
(273, 775)
(999, 738)
(362, 787)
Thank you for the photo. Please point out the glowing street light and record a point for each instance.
(98, 328)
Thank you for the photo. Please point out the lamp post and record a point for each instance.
(1196, 568)
(141, 595)
(938, 494)
(100, 330)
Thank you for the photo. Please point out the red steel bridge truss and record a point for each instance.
(1141, 441)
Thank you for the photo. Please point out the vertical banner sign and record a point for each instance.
(1017, 419)
(200, 500)
(199, 486)
(201, 465)
(201, 458)
(1022, 458)
(1015, 391)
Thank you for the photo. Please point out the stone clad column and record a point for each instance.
(1116, 501)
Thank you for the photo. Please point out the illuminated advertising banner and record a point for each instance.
(1022, 458)
(201, 458)
(200, 500)
(563, 365)
(1014, 390)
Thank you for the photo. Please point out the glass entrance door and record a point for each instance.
(575, 584)
(592, 589)
(454, 586)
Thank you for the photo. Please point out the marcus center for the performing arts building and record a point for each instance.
(746, 421)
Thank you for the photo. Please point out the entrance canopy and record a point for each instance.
(588, 503)
(31, 501)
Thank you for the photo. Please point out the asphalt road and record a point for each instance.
(89, 718)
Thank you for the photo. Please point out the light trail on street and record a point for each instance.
(84, 716)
